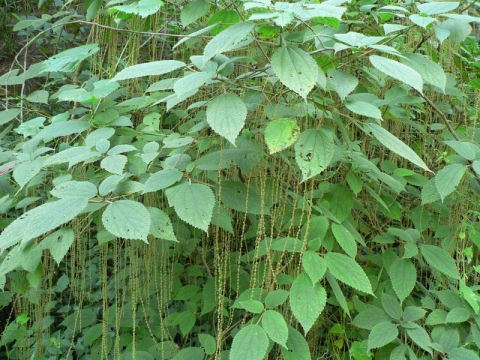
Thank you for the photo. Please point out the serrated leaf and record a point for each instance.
(162, 179)
(275, 326)
(226, 115)
(391, 306)
(161, 227)
(369, 318)
(230, 39)
(193, 11)
(396, 145)
(431, 72)
(276, 298)
(439, 259)
(82, 189)
(398, 71)
(348, 271)
(142, 8)
(127, 219)
(448, 178)
(109, 184)
(345, 239)
(191, 82)
(222, 159)
(24, 172)
(337, 292)
(313, 152)
(430, 192)
(297, 347)
(114, 163)
(363, 108)
(58, 243)
(307, 300)
(314, 265)
(342, 82)
(458, 30)
(296, 69)
(403, 276)
(193, 203)
(458, 315)
(437, 7)
(280, 134)
(287, 244)
(63, 128)
(40, 220)
(382, 334)
(238, 196)
(464, 149)
(251, 343)
(152, 68)
(253, 306)
(208, 342)
(413, 313)
(462, 354)
(67, 60)
(419, 336)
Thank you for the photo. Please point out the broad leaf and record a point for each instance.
(276, 298)
(161, 226)
(162, 179)
(249, 343)
(79, 189)
(314, 152)
(431, 72)
(464, 149)
(295, 69)
(67, 60)
(63, 128)
(396, 145)
(24, 172)
(226, 115)
(348, 271)
(448, 178)
(193, 11)
(437, 7)
(419, 336)
(370, 317)
(280, 134)
(391, 306)
(238, 196)
(364, 108)
(114, 163)
(314, 265)
(439, 259)
(345, 239)
(403, 276)
(127, 219)
(337, 292)
(58, 243)
(193, 203)
(342, 82)
(143, 8)
(398, 71)
(148, 69)
(297, 347)
(275, 326)
(382, 334)
(307, 300)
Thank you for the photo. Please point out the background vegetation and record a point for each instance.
(239, 180)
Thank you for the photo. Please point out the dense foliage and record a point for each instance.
(240, 180)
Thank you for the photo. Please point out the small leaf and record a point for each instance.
(238, 196)
(193, 11)
(398, 71)
(226, 115)
(370, 317)
(458, 315)
(431, 72)
(24, 172)
(342, 82)
(161, 226)
(391, 306)
(208, 342)
(458, 30)
(81, 189)
(162, 179)
(152, 68)
(382, 334)
(439, 259)
(127, 219)
(193, 203)
(307, 300)
(275, 326)
(313, 152)
(314, 265)
(58, 243)
(396, 145)
(296, 69)
(403, 276)
(364, 108)
(67, 60)
(297, 347)
(249, 343)
(464, 149)
(276, 298)
(348, 271)
(419, 336)
(280, 134)
(345, 239)
(448, 178)
(114, 163)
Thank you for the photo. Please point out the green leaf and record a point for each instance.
(436, 317)
(78, 189)
(314, 152)
(249, 343)
(63, 128)
(275, 326)
(276, 298)
(307, 300)
(462, 354)
(345, 239)
(464, 149)
(458, 315)
(191, 82)
(413, 313)
(127, 219)
(222, 159)
(439, 259)
(67, 60)
(162, 179)
(287, 244)
(419, 336)
(382, 334)
(396, 145)
(193, 11)
(208, 342)
(58, 243)
(314, 265)
(193, 203)
(296, 69)
(143, 8)
(188, 353)
(403, 276)
(346, 270)
(448, 178)
(152, 68)
(364, 108)
(391, 306)
(398, 71)
(161, 226)
(226, 115)
(337, 292)
(280, 134)
(342, 82)
(297, 347)
(458, 30)
(114, 163)
(369, 318)
(253, 306)
(238, 196)
(431, 72)
(430, 192)
(235, 36)
(24, 172)
(41, 220)
(437, 7)
(109, 184)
